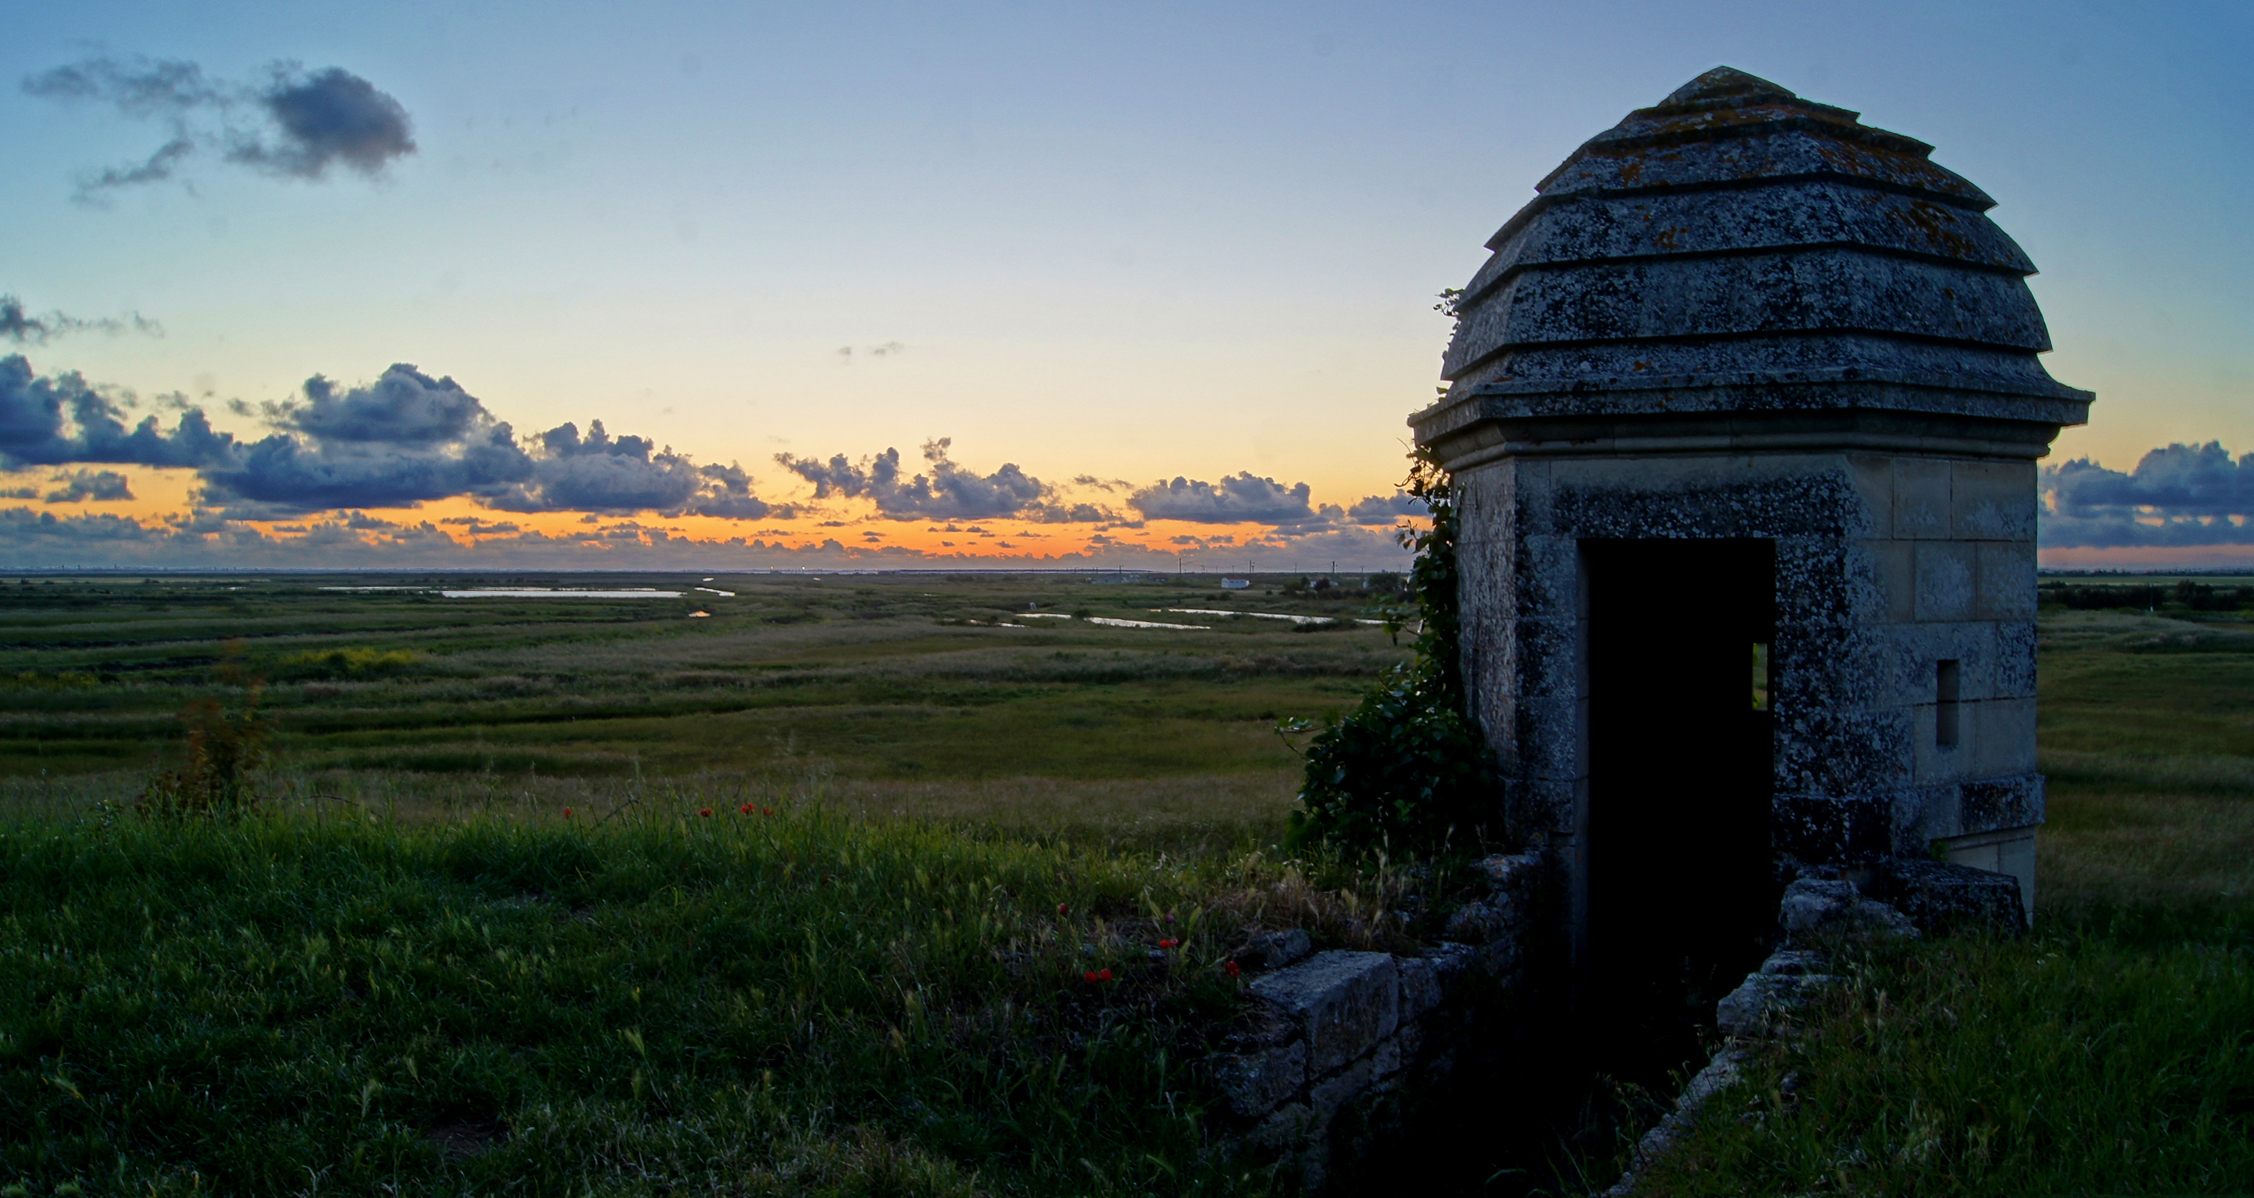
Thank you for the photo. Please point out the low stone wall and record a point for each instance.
(1325, 1034)
(1820, 909)
(1329, 1032)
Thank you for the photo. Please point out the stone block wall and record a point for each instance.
(1888, 565)
(1327, 1032)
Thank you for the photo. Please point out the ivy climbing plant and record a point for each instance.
(1406, 772)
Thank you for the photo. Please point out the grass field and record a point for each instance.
(908, 693)
(418, 972)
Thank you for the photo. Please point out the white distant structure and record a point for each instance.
(1235, 584)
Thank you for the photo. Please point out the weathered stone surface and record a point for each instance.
(1741, 314)
(1941, 898)
(1324, 1097)
(1274, 950)
(1516, 875)
(1794, 962)
(1421, 987)
(1483, 921)
(1344, 1003)
(1815, 905)
(1255, 1082)
(1752, 1010)
(1449, 960)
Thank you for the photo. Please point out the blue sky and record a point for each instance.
(1115, 242)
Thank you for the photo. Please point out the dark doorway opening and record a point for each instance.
(1682, 890)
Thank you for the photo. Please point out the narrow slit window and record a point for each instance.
(1760, 677)
(1945, 717)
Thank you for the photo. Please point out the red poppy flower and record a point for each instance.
(567, 813)
(1168, 943)
(1103, 975)
(1233, 970)
(1089, 977)
(766, 811)
(1060, 908)
(746, 809)
(706, 813)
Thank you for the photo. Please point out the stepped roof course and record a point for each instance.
(1737, 249)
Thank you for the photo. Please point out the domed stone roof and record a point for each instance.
(1737, 248)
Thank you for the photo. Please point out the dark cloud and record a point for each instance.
(949, 492)
(295, 124)
(101, 486)
(282, 474)
(2179, 480)
(329, 117)
(617, 475)
(402, 440)
(59, 419)
(1074, 513)
(1327, 518)
(1239, 499)
(402, 407)
(1387, 510)
(20, 328)
(2177, 496)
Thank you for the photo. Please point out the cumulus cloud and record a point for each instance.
(1387, 510)
(20, 328)
(2178, 496)
(617, 475)
(2179, 480)
(100, 486)
(59, 419)
(1242, 498)
(402, 407)
(404, 439)
(295, 123)
(948, 492)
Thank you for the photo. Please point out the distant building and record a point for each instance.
(1235, 584)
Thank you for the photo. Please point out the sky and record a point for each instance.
(1138, 285)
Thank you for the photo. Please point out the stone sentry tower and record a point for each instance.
(1744, 414)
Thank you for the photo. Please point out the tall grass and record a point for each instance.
(666, 1002)
(2112, 1051)
(2086, 1060)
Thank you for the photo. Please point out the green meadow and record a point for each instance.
(955, 696)
(849, 887)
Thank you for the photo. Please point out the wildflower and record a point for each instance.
(1168, 943)
(1089, 977)
(1060, 908)
(1103, 975)
(766, 811)
(567, 813)
(706, 813)
(1233, 970)
(746, 809)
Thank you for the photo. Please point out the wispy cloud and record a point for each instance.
(294, 123)
(21, 328)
